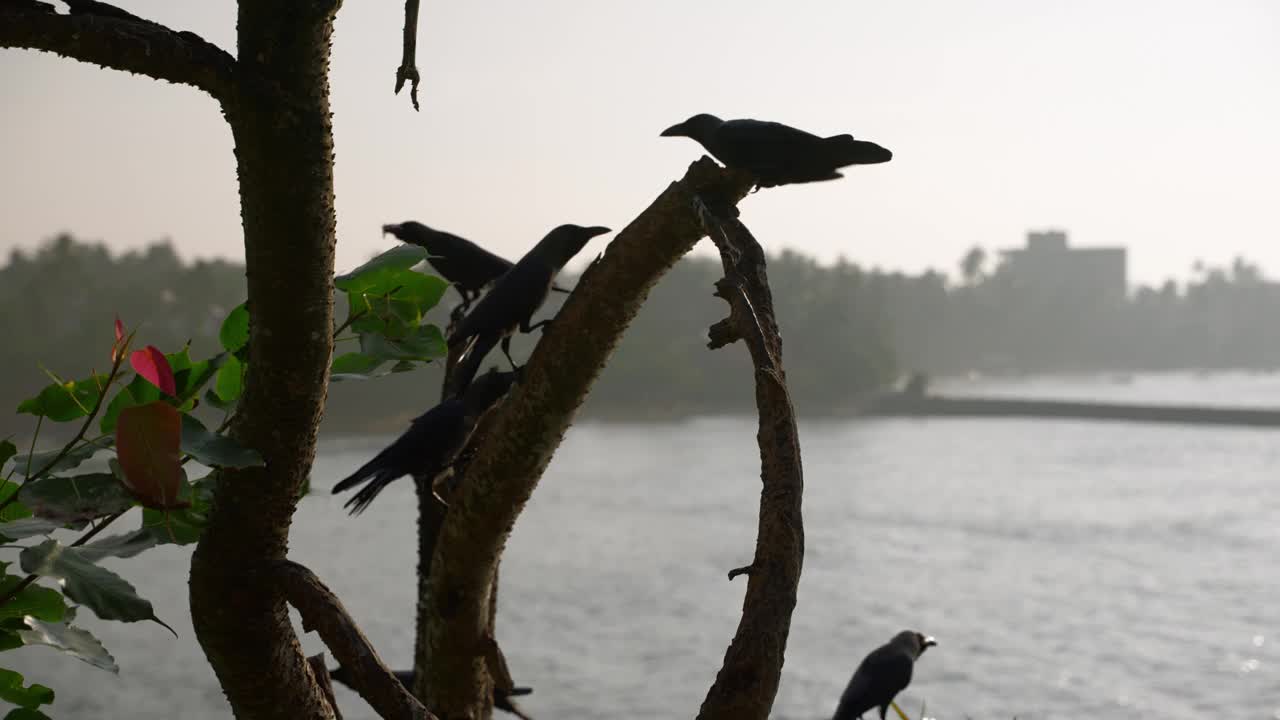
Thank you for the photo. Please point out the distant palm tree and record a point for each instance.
(971, 265)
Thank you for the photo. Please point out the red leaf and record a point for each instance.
(148, 442)
(118, 346)
(151, 364)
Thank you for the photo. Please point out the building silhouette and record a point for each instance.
(1048, 266)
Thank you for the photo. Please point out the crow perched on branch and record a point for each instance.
(467, 266)
(775, 153)
(432, 442)
(882, 675)
(513, 300)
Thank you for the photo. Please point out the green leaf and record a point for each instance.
(71, 640)
(215, 450)
(191, 380)
(14, 510)
(71, 499)
(28, 527)
(234, 334)
(354, 366)
(110, 596)
(11, 510)
(9, 640)
(181, 527)
(121, 546)
(64, 401)
(424, 343)
(230, 382)
(26, 714)
(385, 296)
(139, 391)
(395, 305)
(416, 296)
(7, 450)
(72, 459)
(12, 690)
(180, 360)
(401, 257)
(38, 602)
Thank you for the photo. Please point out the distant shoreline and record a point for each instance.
(907, 404)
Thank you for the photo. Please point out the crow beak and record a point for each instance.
(874, 154)
(677, 130)
(930, 642)
(596, 230)
(390, 229)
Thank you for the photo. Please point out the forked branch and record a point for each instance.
(323, 612)
(510, 458)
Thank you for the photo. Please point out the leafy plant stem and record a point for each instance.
(26, 581)
(30, 451)
(84, 427)
(347, 323)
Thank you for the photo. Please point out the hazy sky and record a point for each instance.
(1154, 125)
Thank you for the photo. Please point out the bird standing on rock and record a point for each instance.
(513, 300)
(882, 675)
(775, 153)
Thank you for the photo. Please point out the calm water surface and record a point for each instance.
(1068, 569)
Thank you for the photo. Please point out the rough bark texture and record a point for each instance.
(284, 153)
(119, 41)
(454, 616)
(323, 612)
(320, 671)
(276, 98)
(748, 680)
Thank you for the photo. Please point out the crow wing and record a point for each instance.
(465, 263)
(514, 299)
(778, 154)
(429, 444)
(881, 676)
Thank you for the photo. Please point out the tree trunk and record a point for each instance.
(284, 152)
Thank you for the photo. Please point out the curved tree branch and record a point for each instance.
(323, 612)
(748, 681)
(105, 35)
(528, 428)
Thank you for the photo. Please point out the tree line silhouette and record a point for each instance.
(850, 330)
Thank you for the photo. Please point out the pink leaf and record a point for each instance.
(151, 364)
(118, 346)
(148, 444)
